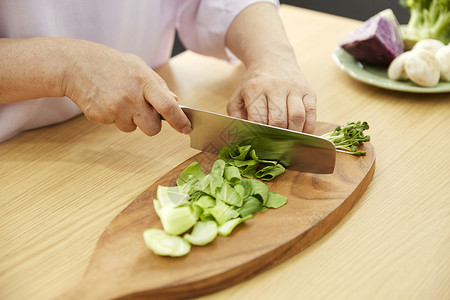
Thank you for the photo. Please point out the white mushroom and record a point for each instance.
(422, 68)
(443, 56)
(396, 70)
(431, 45)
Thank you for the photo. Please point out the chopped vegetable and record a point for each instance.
(443, 55)
(426, 64)
(204, 232)
(347, 138)
(213, 203)
(246, 161)
(226, 228)
(176, 220)
(429, 19)
(275, 200)
(422, 68)
(164, 244)
(377, 41)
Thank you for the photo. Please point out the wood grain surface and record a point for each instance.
(123, 267)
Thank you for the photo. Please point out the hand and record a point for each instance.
(273, 91)
(279, 96)
(110, 86)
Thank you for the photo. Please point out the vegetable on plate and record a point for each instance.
(377, 41)
(429, 19)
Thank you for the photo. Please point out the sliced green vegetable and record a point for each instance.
(213, 203)
(205, 201)
(156, 206)
(176, 220)
(226, 228)
(204, 232)
(171, 196)
(162, 243)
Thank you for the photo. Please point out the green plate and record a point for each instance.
(377, 76)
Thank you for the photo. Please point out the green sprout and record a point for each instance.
(347, 138)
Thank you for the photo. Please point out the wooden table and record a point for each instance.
(60, 186)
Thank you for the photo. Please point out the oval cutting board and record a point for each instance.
(123, 267)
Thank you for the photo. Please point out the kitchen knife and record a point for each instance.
(295, 150)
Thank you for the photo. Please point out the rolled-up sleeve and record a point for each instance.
(202, 25)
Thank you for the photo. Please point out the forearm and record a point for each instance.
(31, 68)
(257, 37)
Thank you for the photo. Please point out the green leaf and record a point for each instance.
(251, 206)
(171, 196)
(223, 212)
(247, 168)
(218, 168)
(232, 175)
(226, 228)
(275, 200)
(270, 172)
(205, 201)
(256, 188)
(192, 171)
(229, 195)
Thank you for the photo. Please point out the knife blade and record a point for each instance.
(295, 150)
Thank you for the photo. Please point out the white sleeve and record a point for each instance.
(202, 25)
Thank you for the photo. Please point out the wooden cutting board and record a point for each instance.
(123, 267)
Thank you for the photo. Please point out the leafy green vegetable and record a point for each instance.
(223, 212)
(244, 158)
(164, 244)
(347, 138)
(193, 171)
(204, 205)
(429, 19)
(270, 172)
(275, 200)
(251, 206)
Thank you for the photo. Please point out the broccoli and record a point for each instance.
(429, 19)
(347, 138)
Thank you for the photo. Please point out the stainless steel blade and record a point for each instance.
(298, 151)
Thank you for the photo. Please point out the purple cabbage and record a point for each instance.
(377, 41)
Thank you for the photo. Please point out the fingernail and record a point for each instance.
(186, 129)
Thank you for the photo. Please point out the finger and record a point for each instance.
(296, 111)
(148, 120)
(309, 102)
(165, 104)
(256, 108)
(236, 106)
(277, 110)
(125, 125)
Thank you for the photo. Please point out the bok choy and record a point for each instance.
(203, 206)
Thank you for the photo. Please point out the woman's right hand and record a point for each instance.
(110, 86)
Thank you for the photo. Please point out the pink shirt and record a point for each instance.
(143, 27)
